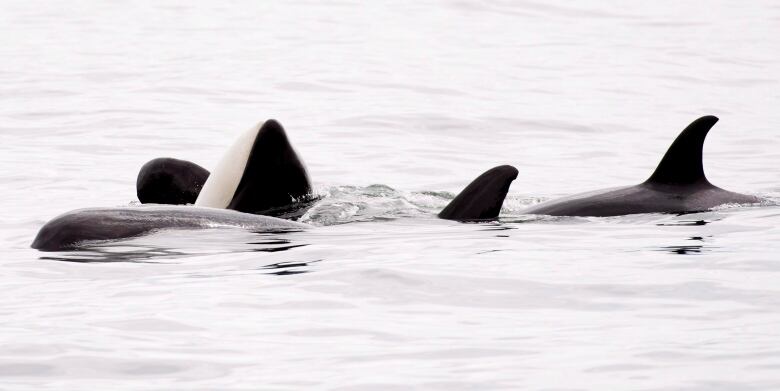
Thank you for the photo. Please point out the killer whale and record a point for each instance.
(678, 185)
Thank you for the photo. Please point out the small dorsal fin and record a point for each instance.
(682, 162)
(483, 197)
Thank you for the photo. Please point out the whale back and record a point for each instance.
(482, 198)
(682, 163)
(259, 173)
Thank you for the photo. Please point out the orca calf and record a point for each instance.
(678, 185)
(170, 181)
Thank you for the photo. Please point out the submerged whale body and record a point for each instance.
(72, 229)
(678, 185)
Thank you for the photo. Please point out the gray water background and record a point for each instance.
(394, 107)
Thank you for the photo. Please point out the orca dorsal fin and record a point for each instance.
(483, 197)
(682, 163)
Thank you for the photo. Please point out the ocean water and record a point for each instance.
(394, 107)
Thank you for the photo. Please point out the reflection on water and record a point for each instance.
(495, 226)
(288, 268)
(689, 249)
(683, 223)
(102, 254)
(683, 250)
(280, 248)
(179, 244)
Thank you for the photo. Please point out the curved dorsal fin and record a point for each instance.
(483, 197)
(682, 162)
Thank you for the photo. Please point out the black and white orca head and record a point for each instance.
(260, 173)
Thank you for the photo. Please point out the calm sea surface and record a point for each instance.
(394, 107)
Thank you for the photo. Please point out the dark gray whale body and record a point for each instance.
(74, 228)
(678, 185)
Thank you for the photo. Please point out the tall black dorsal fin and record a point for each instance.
(682, 162)
(483, 197)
